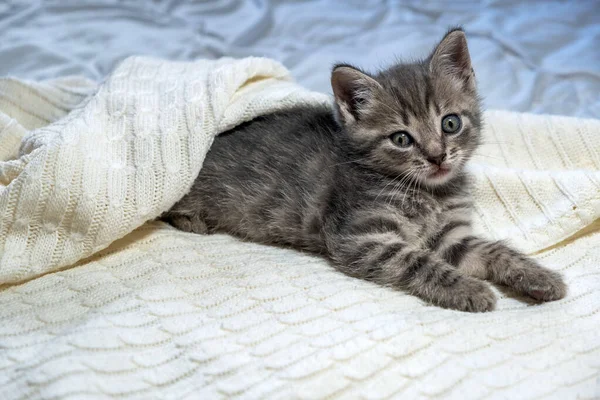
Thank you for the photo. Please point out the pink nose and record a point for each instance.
(438, 159)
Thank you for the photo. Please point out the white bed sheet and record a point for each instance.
(533, 56)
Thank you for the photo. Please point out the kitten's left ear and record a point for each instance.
(451, 58)
(354, 91)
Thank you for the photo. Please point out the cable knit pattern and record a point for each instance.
(162, 314)
(122, 158)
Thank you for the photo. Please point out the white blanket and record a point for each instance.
(124, 157)
(165, 314)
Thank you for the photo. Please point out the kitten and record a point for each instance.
(377, 185)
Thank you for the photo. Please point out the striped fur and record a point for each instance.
(334, 183)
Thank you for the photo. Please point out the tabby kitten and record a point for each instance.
(378, 185)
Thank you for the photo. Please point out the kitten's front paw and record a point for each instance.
(537, 282)
(471, 295)
(188, 224)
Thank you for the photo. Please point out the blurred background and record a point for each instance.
(537, 56)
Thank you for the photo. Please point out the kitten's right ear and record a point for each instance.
(353, 90)
(451, 58)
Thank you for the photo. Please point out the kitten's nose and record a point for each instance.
(437, 160)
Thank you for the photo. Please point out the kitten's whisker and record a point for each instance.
(413, 174)
(397, 188)
(394, 191)
(348, 162)
(483, 143)
(390, 108)
(389, 183)
(419, 189)
(404, 183)
(488, 156)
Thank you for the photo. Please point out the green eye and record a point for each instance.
(401, 139)
(451, 123)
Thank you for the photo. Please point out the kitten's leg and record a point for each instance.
(386, 259)
(499, 263)
(186, 222)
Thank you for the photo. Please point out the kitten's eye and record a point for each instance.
(401, 139)
(451, 123)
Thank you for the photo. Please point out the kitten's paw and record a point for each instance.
(537, 282)
(188, 224)
(470, 294)
(180, 222)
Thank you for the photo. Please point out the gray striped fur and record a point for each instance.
(333, 183)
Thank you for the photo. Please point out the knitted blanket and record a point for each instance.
(136, 310)
(124, 156)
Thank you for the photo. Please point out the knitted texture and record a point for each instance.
(123, 157)
(163, 314)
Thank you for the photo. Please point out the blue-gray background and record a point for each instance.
(541, 56)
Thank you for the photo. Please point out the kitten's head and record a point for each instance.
(420, 120)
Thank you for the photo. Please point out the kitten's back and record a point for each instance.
(266, 180)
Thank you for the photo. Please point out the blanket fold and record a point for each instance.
(114, 160)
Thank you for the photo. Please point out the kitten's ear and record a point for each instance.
(451, 58)
(353, 91)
